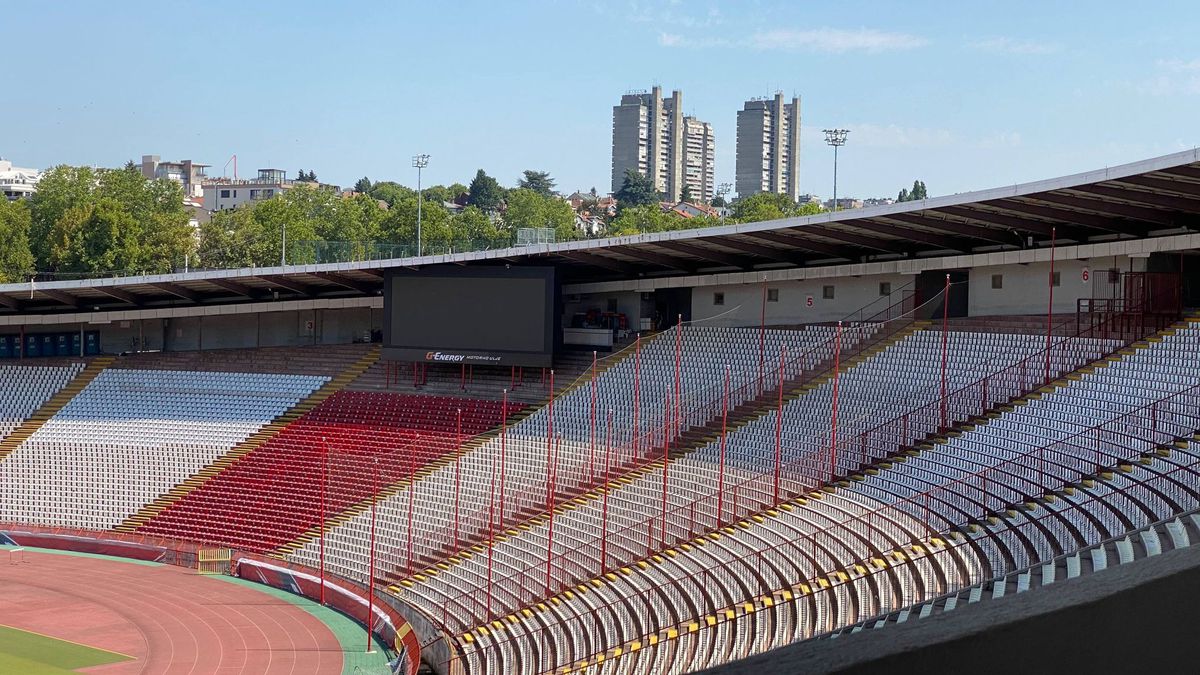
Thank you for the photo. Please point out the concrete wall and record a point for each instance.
(743, 302)
(1025, 289)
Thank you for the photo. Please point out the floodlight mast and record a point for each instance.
(419, 162)
(836, 138)
(723, 190)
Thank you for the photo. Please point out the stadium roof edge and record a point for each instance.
(1160, 195)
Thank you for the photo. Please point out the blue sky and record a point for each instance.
(963, 95)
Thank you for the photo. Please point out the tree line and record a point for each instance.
(85, 221)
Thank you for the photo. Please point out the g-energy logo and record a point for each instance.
(439, 356)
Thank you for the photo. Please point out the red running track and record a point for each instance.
(170, 619)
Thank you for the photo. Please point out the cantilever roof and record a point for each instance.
(1149, 198)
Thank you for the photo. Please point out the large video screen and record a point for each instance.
(470, 315)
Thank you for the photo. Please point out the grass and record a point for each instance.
(32, 653)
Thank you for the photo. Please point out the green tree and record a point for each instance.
(362, 185)
(639, 219)
(527, 208)
(59, 190)
(485, 193)
(538, 181)
(390, 192)
(473, 229)
(686, 196)
(235, 238)
(770, 206)
(918, 192)
(636, 190)
(718, 201)
(16, 260)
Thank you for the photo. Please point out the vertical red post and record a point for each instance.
(462, 377)
(324, 487)
(604, 502)
(592, 431)
(762, 338)
(412, 490)
(662, 538)
(779, 426)
(945, 339)
(550, 481)
(457, 477)
(678, 366)
(721, 465)
(837, 362)
(1050, 307)
(637, 390)
(371, 564)
(503, 453)
(491, 537)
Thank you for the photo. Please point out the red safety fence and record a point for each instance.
(739, 493)
(991, 490)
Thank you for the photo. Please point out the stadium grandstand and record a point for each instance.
(660, 453)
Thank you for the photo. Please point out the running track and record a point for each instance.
(170, 619)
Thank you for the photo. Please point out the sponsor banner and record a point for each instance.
(458, 357)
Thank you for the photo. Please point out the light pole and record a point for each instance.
(836, 138)
(723, 190)
(420, 162)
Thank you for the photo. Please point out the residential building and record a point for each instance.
(768, 147)
(651, 136)
(699, 161)
(843, 204)
(16, 182)
(879, 201)
(187, 173)
(225, 193)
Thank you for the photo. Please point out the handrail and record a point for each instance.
(649, 528)
(921, 501)
(655, 441)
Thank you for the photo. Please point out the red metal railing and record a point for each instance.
(753, 492)
(1144, 428)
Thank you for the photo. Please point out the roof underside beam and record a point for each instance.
(1163, 185)
(11, 302)
(364, 287)
(1142, 197)
(944, 225)
(237, 287)
(1068, 221)
(832, 250)
(63, 298)
(1103, 207)
(288, 284)
(123, 296)
(941, 241)
(656, 258)
(598, 261)
(730, 259)
(178, 291)
(776, 254)
(852, 238)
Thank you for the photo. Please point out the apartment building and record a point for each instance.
(768, 147)
(652, 136)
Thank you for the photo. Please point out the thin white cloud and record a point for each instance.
(894, 136)
(834, 40)
(1173, 77)
(677, 40)
(1179, 65)
(1004, 45)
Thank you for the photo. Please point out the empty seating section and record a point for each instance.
(23, 389)
(706, 354)
(904, 376)
(660, 571)
(272, 495)
(131, 435)
(891, 537)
